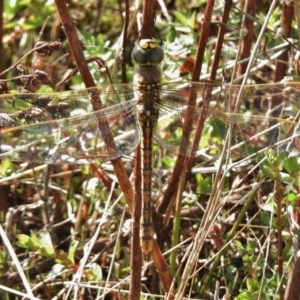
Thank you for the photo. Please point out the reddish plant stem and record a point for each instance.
(162, 268)
(89, 82)
(125, 40)
(1, 34)
(280, 72)
(207, 92)
(278, 195)
(286, 25)
(136, 253)
(248, 38)
(148, 19)
(172, 186)
(220, 40)
(293, 287)
(292, 291)
(74, 42)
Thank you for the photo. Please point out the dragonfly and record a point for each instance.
(63, 128)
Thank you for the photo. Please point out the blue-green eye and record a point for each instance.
(147, 52)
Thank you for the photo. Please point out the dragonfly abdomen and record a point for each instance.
(148, 116)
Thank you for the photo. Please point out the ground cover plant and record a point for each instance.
(225, 214)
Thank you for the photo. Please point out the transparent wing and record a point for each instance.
(64, 128)
(266, 115)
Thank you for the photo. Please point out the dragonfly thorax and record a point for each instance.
(146, 74)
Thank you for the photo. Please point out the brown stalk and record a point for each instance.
(220, 39)
(162, 268)
(278, 196)
(172, 186)
(148, 19)
(280, 72)
(136, 253)
(248, 38)
(286, 25)
(1, 34)
(125, 40)
(89, 82)
(207, 93)
(292, 290)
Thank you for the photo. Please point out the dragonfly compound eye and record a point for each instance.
(147, 52)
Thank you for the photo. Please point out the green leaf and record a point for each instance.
(62, 258)
(239, 245)
(27, 242)
(246, 296)
(45, 239)
(35, 240)
(171, 36)
(6, 168)
(282, 157)
(43, 245)
(292, 198)
(291, 165)
(288, 251)
(266, 218)
(11, 8)
(203, 184)
(23, 239)
(181, 18)
(45, 89)
(252, 285)
(47, 251)
(72, 250)
(100, 40)
(269, 206)
(192, 20)
(94, 273)
(251, 246)
(269, 168)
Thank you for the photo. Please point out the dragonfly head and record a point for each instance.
(147, 53)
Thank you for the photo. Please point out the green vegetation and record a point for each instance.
(229, 226)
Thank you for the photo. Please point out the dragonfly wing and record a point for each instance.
(68, 131)
(266, 117)
(169, 129)
(175, 116)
